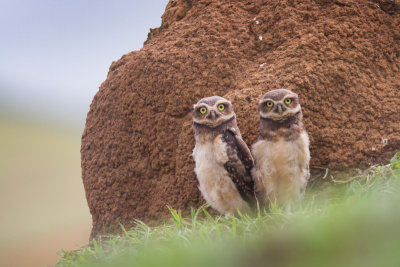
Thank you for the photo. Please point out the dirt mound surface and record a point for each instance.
(342, 57)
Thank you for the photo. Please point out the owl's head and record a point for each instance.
(279, 105)
(213, 111)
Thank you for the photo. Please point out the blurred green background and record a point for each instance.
(53, 57)
(42, 199)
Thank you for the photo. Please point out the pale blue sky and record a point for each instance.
(54, 54)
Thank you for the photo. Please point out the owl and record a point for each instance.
(223, 161)
(281, 153)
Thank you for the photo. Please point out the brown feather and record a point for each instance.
(239, 166)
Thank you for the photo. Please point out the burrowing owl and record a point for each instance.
(281, 153)
(223, 160)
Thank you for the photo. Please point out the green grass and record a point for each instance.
(351, 224)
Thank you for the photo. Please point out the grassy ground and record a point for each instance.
(356, 223)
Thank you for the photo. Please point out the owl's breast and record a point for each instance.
(281, 168)
(204, 156)
(210, 158)
(215, 184)
(282, 156)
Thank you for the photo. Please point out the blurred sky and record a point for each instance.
(54, 54)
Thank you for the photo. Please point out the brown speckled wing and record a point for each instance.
(239, 166)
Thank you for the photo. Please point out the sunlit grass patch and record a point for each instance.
(344, 224)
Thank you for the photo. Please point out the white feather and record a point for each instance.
(281, 168)
(215, 184)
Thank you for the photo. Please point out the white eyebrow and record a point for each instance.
(201, 105)
(276, 101)
(223, 102)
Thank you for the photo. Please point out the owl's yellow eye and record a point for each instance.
(288, 101)
(203, 110)
(269, 104)
(221, 107)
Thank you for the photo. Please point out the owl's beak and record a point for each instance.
(279, 109)
(212, 115)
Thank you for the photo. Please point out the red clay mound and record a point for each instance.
(342, 58)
